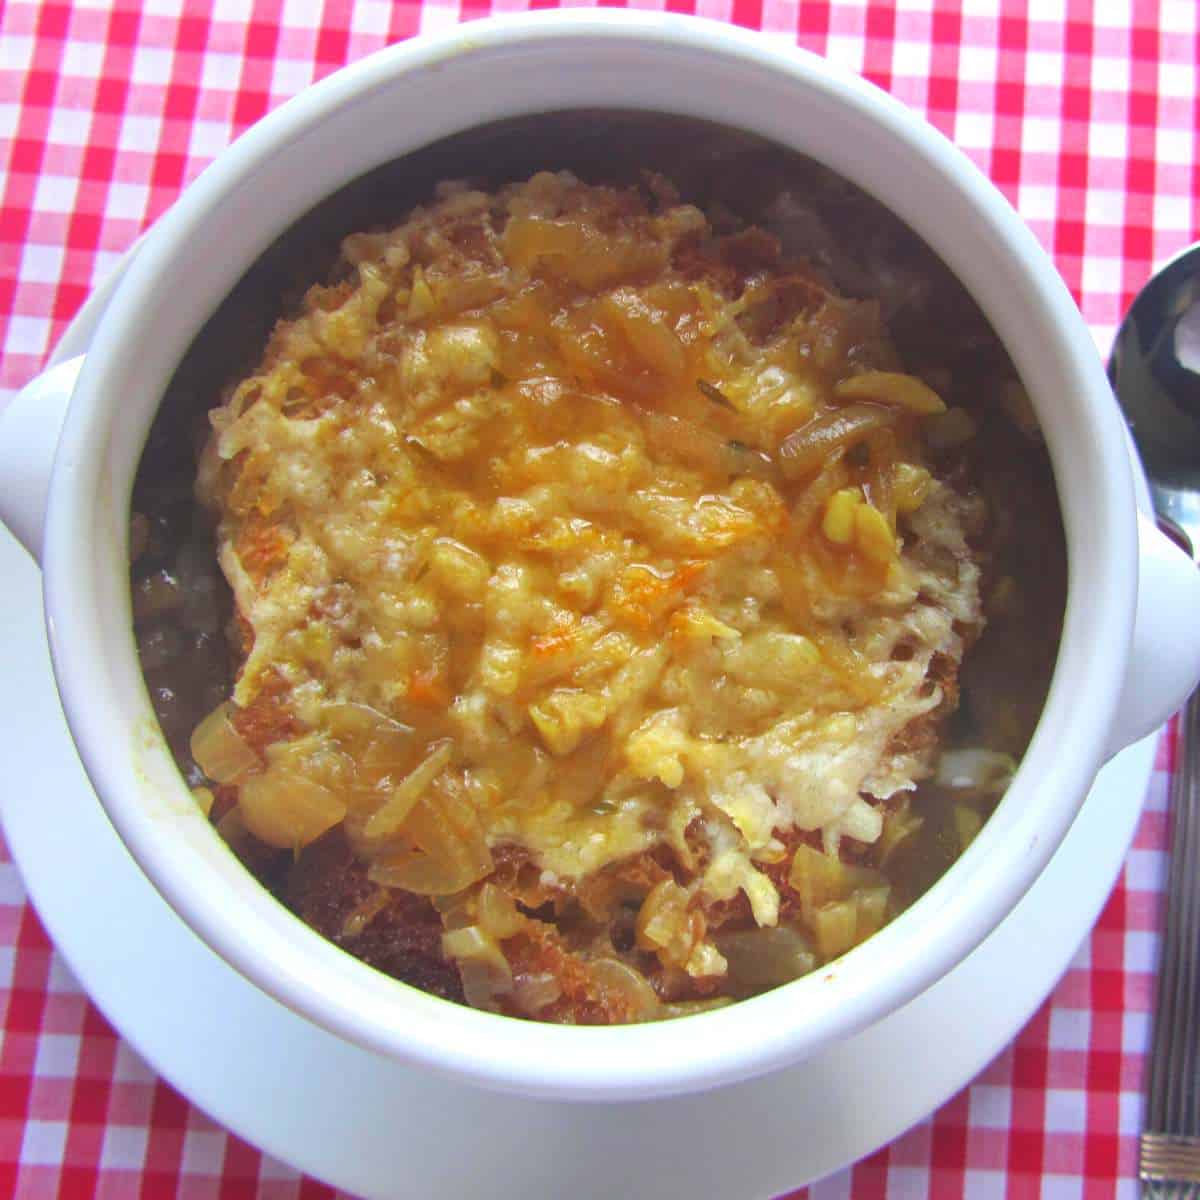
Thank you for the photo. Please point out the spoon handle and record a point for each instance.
(1169, 1157)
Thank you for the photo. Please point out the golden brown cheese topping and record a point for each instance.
(566, 527)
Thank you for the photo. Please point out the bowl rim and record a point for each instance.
(84, 603)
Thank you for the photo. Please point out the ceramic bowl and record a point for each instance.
(1130, 646)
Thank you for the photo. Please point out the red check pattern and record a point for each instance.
(1084, 112)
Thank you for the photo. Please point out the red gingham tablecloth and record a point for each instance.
(1083, 112)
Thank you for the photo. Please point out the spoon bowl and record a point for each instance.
(1155, 371)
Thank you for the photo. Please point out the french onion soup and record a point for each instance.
(599, 574)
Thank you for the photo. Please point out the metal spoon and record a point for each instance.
(1155, 370)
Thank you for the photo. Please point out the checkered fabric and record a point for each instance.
(1084, 112)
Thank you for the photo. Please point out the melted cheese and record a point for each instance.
(523, 487)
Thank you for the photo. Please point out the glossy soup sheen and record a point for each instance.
(671, 486)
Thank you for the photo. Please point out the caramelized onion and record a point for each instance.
(484, 970)
(416, 871)
(480, 985)
(835, 927)
(765, 958)
(949, 430)
(454, 828)
(445, 850)
(394, 811)
(288, 810)
(683, 441)
(360, 722)
(695, 446)
(663, 923)
(497, 912)
(900, 824)
(472, 942)
(633, 987)
(533, 993)
(219, 750)
(647, 331)
(891, 387)
(871, 904)
(364, 913)
(819, 879)
(807, 449)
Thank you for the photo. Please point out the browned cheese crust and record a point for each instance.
(600, 591)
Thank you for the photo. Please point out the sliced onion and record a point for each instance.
(816, 878)
(357, 920)
(872, 906)
(219, 750)
(498, 913)
(949, 430)
(288, 810)
(457, 912)
(647, 331)
(360, 722)
(819, 879)
(765, 958)
(484, 970)
(663, 920)
(378, 746)
(446, 853)
(835, 928)
(453, 829)
(415, 871)
(632, 986)
(891, 387)
(683, 441)
(472, 942)
(899, 825)
(534, 993)
(481, 986)
(390, 817)
(806, 450)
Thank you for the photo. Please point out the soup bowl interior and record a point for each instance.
(376, 113)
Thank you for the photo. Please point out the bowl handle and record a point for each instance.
(29, 429)
(1164, 657)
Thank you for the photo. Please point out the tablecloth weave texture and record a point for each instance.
(1083, 112)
